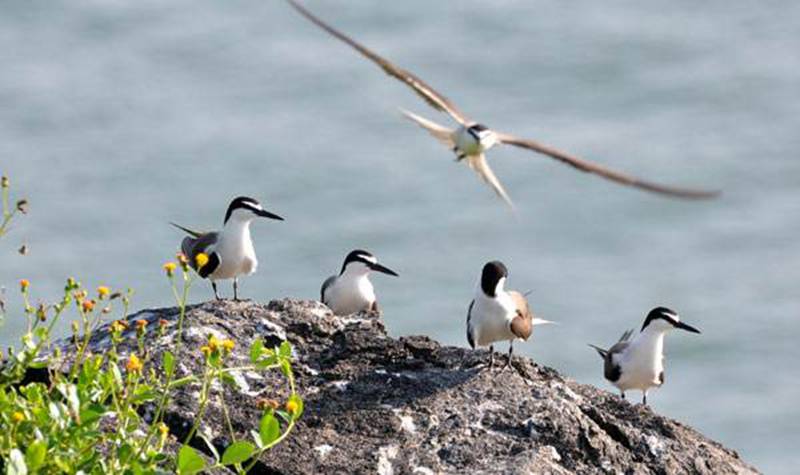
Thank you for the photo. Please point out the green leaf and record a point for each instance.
(182, 382)
(285, 350)
(16, 463)
(189, 461)
(286, 368)
(169, 363)
(92, 414)
(35, 454)
(255, 350)
(269, 430)
(237, 452)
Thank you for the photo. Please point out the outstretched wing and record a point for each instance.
(591, 167)
(441, 133)
(478, 163)
(431, 96)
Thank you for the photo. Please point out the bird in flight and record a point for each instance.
(470, 140)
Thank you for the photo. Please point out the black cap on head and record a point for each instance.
(492, 273)
(251, 204)
(358, 255)
(670, 316)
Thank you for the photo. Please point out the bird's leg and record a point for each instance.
(214, 286)
(235, 289)
(623, 394)
(491, 356)
(644, 397)
(510, 352)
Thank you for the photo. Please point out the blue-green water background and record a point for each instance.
(116, 117)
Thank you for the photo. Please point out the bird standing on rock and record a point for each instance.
(638, 363)
(351, 291)
(230, 251)
(497, 314)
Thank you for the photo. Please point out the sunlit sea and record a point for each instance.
(117, 117)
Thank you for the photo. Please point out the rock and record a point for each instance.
(410, 405)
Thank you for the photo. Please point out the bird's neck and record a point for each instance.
(651, 341)
(236, 229)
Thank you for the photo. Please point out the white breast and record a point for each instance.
(490, 318)
(643, 363)
(237, 255)
(350, 294)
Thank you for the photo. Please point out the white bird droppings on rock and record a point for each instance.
(323, 450)
(406, 422)
(385, 456)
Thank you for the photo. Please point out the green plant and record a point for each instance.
(21, 205)
(68, 410)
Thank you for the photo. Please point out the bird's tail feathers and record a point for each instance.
(600, 351)
(440, 132)
(187, 230)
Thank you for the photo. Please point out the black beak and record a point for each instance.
(686, 327)
(379, 268)
(267, 214)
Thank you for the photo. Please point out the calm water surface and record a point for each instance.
(116, 117)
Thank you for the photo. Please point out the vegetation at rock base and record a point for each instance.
(66, 409)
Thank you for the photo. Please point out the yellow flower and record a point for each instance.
(117, 327)
(141, 324)
(201, 260)
(163, 429)
(214, 343)
(134, 364)
(170, 267)
(103, 292)
(292, 406)
(183, 260)
(24, 284)
(87, 305)
(17, 417)
(205, 350)
(228, 345)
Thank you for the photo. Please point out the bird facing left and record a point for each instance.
(230, 250)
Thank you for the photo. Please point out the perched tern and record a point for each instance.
(497, 314)
(230, 251)
(351, 291)
(470, 139)
(638, 362)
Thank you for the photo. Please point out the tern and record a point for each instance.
(497, 314)
(351, 291)
(470, 140)
(230, 251)
(638, 362)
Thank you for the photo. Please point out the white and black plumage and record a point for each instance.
(470, 139)
(638, 362)
(351, 291)
(497, 314)
(230, 251)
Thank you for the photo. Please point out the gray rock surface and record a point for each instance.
(375, 404)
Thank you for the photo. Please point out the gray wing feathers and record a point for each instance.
(470, 338)
(328, 282)
(610, 369)
(193, 246)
